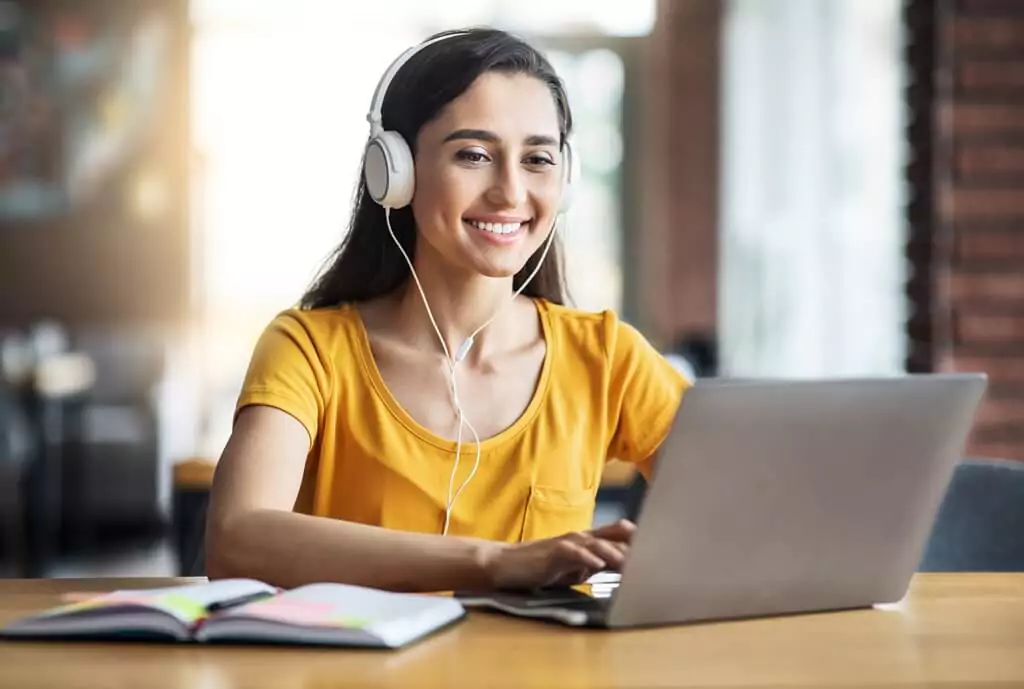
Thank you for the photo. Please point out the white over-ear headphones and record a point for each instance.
(388, 169)
(390, 178)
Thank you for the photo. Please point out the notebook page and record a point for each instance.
(185, 603)
(337, 605)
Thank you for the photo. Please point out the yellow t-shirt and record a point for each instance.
(603, 393)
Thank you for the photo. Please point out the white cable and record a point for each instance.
(387, 219)
(453, 361)
(458, 454)
(465, 349)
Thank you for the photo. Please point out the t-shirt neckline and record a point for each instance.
(369, 366)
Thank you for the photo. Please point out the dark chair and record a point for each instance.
(16, 451)
(192, 480)
(980, 525)
(188, 532)
(192, 548)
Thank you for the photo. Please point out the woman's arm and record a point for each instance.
(252, 531)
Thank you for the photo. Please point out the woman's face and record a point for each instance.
(488, 176)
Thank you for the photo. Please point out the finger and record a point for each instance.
(573, 556)
(608, 551)
(613, 553)
(620, 531)
(573, 578)
(621, 547)
(578, 575)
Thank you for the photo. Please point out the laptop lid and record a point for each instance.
(773, 497)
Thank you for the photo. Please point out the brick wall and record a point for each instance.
(966, 212)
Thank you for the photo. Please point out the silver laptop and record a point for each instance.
(778, 497)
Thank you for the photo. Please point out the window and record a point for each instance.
(812, 258)
(280, 97)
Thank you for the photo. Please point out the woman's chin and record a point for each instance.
(498, 272)
(498, 265)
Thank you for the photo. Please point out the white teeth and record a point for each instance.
(496, 228)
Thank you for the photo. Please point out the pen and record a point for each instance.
(239, 600)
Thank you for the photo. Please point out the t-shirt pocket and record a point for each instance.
(552, 512)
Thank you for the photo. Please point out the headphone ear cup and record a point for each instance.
(388, 170)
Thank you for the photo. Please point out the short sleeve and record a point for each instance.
(287, 372)
(645, 391)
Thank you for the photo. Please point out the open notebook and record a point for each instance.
(248, 611)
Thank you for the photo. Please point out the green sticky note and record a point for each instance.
(350, 622)
(187, 607)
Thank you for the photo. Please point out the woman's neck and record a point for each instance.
(460, 303)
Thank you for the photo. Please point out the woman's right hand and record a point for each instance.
(565, 560)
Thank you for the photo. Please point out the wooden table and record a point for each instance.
(953, 630)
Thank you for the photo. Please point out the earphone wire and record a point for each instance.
(453, 361)
(476, 463)
(375, 119)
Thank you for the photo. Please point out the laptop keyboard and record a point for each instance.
(573, 600)
(603, 584)
(596, 594)
(592, 599)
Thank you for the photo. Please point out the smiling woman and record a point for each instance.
(482, 149)
(503, 182)
(344, 460)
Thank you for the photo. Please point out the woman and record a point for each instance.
(354, 455)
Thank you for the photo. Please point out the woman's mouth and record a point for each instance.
(498, 232)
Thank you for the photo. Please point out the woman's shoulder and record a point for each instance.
(570, 316)
(316, 322)
(319, 331)
(599, 332)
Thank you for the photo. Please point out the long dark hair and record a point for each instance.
(367, 264)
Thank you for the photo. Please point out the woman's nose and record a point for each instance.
(509, 188)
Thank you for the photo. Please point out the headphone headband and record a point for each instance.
(375, 115)
(388, 168)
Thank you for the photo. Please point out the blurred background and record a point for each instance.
(770, 188)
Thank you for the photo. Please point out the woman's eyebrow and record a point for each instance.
(491, 137)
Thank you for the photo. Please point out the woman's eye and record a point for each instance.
(472, 156)
(539, 160)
